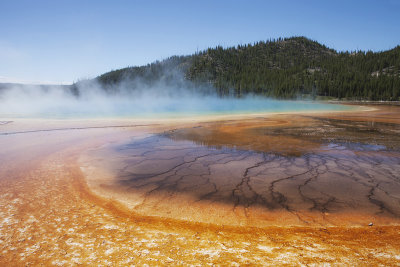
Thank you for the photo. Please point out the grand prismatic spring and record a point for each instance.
(199, 133)
(284, 183)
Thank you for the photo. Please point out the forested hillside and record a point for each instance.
(283, 68)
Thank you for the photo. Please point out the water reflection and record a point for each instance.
(162, 173)
(304, 169)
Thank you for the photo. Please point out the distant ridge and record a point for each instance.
(283, 68)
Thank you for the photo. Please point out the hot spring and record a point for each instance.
(34, 103)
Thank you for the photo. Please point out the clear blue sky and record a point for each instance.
(63, 41)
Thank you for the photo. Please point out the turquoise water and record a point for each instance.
(218, 106)
(160, 107)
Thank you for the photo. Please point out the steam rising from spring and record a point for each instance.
(134, 99)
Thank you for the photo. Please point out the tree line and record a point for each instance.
(282, 68)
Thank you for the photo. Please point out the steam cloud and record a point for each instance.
(93, 100)
(131, 98)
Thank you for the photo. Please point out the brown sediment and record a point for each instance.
(245, 135)
(294, 134)
(157, 176)
(278, 170)
(51, 216)
(55, 220)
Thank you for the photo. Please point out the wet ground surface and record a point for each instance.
(61, 193)
(282, 171)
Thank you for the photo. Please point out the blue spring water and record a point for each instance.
(162, 107)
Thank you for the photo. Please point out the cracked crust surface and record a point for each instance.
(119, 196)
